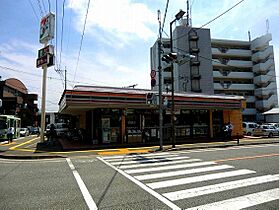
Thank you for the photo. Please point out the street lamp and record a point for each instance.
(178, 16)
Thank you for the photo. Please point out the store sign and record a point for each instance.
(45, 56)
(47, 28)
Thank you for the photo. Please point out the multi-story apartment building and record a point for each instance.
(220, 66)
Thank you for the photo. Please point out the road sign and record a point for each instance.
(153, 74)
(153, 82)
(47, 28)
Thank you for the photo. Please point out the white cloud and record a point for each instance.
(118, 19)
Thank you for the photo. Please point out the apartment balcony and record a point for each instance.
(267, 104)
(261, 42)
(261, 55)
(233, 63)
(194, 37)
(264, 67)
(250, 99)
(233, 75)
(266, 91)
(264, 79)
(226, 86)
(249, 111)
(231, 52)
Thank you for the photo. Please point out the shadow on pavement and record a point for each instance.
(48, 146)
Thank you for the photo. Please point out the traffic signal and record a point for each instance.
(150, 98)
(171, 57)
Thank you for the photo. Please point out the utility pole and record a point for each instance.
(43, 105)
(160, 82)
(65, 78)
(45, 60)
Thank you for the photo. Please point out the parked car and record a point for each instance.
(265, 130)
(248, 128)
(24, 132)
(61, 129)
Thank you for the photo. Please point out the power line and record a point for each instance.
(186, 34)
(62, 31)
(44, 6)
(49, 6)
(40, 7)
(166, 10)
(81, 41)
(34, 11)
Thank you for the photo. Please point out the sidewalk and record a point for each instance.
(19, 150)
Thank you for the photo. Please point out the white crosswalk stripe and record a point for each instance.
(142, 170)
(182, 172)
(242, 201)
(194, 192)
(153, 160)
(180, 178)
(188, 180)
(162, 163)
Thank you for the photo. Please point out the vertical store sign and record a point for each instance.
(47, 28)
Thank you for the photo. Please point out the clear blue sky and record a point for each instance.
(117, 40)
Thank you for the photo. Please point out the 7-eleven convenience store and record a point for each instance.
(122, 116)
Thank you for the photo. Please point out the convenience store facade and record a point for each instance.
(112, 115)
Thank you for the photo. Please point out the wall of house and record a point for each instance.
(235, 118)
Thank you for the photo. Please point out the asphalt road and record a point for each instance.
(233, 178)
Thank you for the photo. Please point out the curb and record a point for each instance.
(29, 157)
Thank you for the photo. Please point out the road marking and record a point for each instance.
(143, 186)
(27, 142)
(140, 158)
(133, 156)
(242, 202)
(32, 161)
(224, 149)
(246, 157)
(142, 170)
(86, 195)
(194, 192)
(188, 180)
(182, 172)
(145, 160)
(159, 163)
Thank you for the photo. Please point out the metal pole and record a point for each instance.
(172, 90)
(160, 83)
(65, 78)
(43, 106)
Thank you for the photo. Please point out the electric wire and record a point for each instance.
(44, 6)
(186, 34)
(40, 8)
(62, 32)
(82, 36)
(166, 11)
(49, 6)
(34, 11)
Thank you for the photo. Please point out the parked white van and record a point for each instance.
(248, 128)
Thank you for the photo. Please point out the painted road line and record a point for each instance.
(27, 142)
(194, 192)
(242, 202)
(188, 180)
(182, 172)
(86, 195)
(224, 149)
(143, 186)
(188, 165)
(247, 157)
(132, 156)
(149, 160)
(140, 158)
(159, 163)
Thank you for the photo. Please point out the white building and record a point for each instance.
(228, 67)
